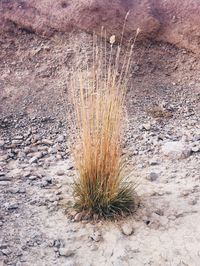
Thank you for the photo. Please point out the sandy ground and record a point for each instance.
(37, 226)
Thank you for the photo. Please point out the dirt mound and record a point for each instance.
(180, 22)
(171, 21)
(47, 16)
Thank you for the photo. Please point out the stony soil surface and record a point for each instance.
(37, 225)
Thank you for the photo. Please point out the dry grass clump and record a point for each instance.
(99, 90)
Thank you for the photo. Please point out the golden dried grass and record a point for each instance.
(98, 94)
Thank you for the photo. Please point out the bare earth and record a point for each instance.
(37, 226)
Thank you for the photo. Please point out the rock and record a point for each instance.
(60, 172)
(153, 162)
(27, 173)
(47, 142)
(152, 176)
(17, 141)
(59, 156)
(159, 212)
(196, 138)
(6, 251)
(58, 243)
(33, 160)
(78, 217)
(38, 154)
(21, 155)
(32, 177)
(94, 247)
(66, 252)
(195, 149)
(48, 179)
(43, 149)
(18, 137)
(127, 229)
(70, 167)
(2, 173)
(35, 138)
(147, 126)
(3, 246)
(176, 150)
(96, 236)
(43, 183)
(60, 138)
(14, 190)
(4, 178)
(27, 150)
(52, 150)
(11, 206)
(2, 143)
(163, 221)
(192, 202)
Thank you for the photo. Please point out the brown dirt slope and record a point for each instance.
(176, 22)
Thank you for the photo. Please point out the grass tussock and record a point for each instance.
(99, 91)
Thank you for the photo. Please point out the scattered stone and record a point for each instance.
(19, 137)
(192, 202)
(70, 167)
(21, 154)
(196, 138)
(38, 154)
(51, 243)
(60, 138)
(176, 150)
(60, 172)
(96, 236)
(43, 184)
(6, 251)
(159, 212)
(79, 216)
(27, 174)
(32, 177)
(172, 217)
(59, 156)
(147, 126)
(3, 246)
(11, 206)
(66, 252)
(153, 162)
(27, 150)
(127, 229)
(14, 190)
(195, 149)
(4, 178)
(33, 160)
(94, 247)
(185, 193)
(52, 150)
(152, 176)
(163, 221)
(48, 179)
(2, 173)
(2, 143)
(47, 142)
(17, 141)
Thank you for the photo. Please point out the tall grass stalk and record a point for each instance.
(98, 93)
